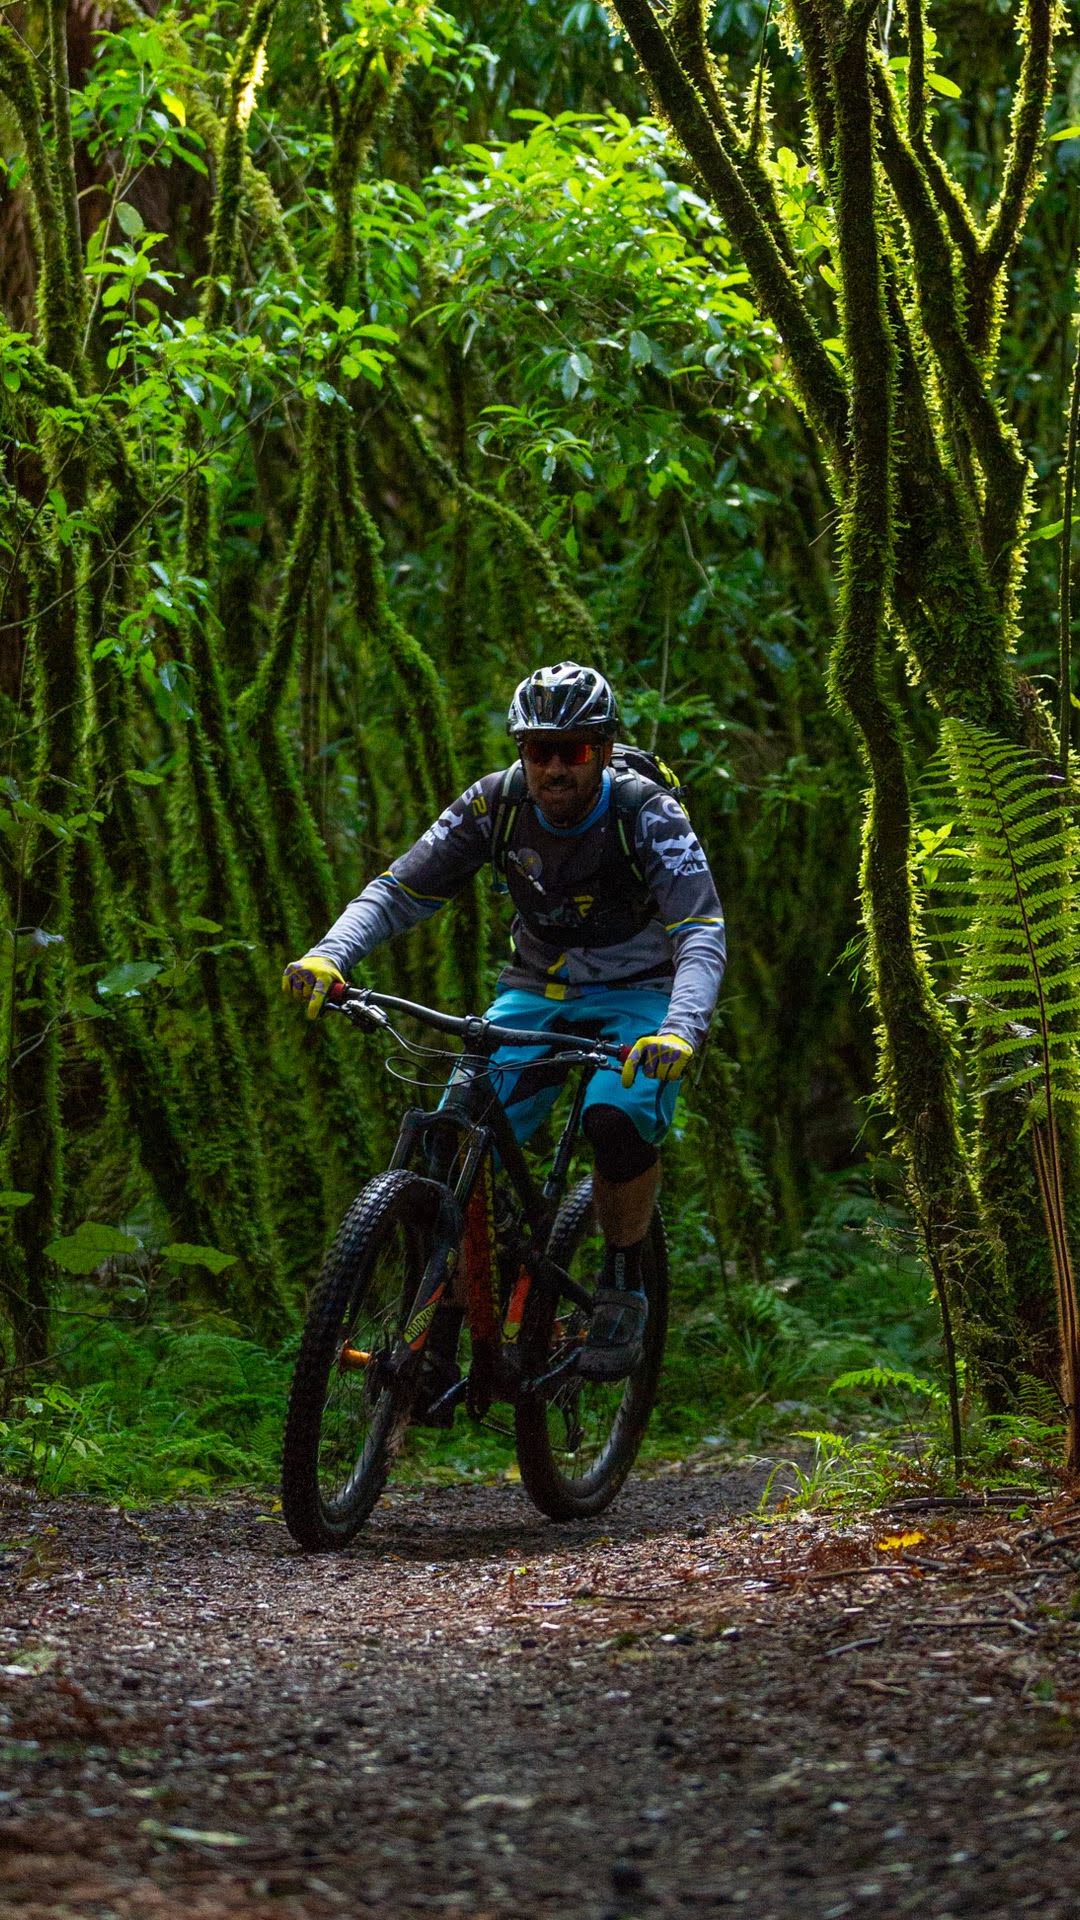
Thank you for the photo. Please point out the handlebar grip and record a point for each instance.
(336, 993)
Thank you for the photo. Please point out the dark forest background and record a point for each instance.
(354, 360)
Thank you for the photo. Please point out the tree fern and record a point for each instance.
(1006, 910)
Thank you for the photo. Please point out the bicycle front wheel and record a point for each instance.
(347, 1414)
(578, 1439)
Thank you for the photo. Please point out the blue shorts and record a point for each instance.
(528, 1092)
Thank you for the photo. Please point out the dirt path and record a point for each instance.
(674, 1711)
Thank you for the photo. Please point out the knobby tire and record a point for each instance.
(561, 1486)
(389, 1225)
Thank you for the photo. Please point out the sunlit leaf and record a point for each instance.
(130, 219)
(186, 1255)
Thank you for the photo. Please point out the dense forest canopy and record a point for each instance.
(357, 359)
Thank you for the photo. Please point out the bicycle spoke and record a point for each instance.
(577, 1438)
(361, 1402)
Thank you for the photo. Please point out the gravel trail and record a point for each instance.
(679, 1709)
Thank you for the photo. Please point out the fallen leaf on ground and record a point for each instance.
(198, 1836)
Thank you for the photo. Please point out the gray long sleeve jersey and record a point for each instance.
(680, 950)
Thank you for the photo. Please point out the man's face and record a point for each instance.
(563, 773)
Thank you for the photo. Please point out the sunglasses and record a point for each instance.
(540, 751)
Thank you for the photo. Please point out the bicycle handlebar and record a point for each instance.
(481, 1036)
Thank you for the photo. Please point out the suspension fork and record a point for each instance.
(454, 1204)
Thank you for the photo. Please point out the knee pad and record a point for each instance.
(618, 1148)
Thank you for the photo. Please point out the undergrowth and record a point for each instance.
(832, 1360)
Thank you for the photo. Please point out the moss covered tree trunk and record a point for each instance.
(933, 487)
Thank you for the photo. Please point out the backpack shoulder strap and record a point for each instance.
(507, 805)
(631, 789)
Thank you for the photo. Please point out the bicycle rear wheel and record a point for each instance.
(578, 1439)
(347, 1417)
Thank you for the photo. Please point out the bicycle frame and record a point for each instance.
(477, 1120)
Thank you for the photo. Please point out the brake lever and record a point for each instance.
(352, 1002)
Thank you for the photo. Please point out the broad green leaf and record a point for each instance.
(144, 778)
(125, 980)
(175, 105)
(186, 1255)
(941, 85)
(1066, 133)
(130, 219)
(90, 1244)
(1049, 532)
(641, 348)
(195, 923)
(11, 1198)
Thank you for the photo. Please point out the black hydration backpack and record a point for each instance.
(637, 776)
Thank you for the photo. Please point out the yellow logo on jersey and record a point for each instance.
(479, 804)
(583, 902)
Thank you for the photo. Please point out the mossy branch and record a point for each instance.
(262, 202)
(432, 769)
(261, 701)
(247, 71)
(916, 1064)
(58, 304)
(60, 102)
(1021, 165)
(941, 590)
(818, 83)
(950, 200)
(579, 624)
(688, 32)
(936, 271)
(820, 387)
(916, 78)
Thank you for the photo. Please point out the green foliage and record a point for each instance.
(1003, 888)
(432, 356)
(151, 1413)
(745, 1362)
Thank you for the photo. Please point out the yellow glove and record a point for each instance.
(663, 1056)
(311, 978)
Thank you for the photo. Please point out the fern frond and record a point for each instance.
(1005, 913)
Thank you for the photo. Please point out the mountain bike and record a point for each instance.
(458, 1233)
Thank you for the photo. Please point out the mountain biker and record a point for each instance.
(618, 931)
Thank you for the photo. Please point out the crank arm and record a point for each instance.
(451, 1398)
(565, 1367)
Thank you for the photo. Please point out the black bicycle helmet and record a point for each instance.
(556, 699)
